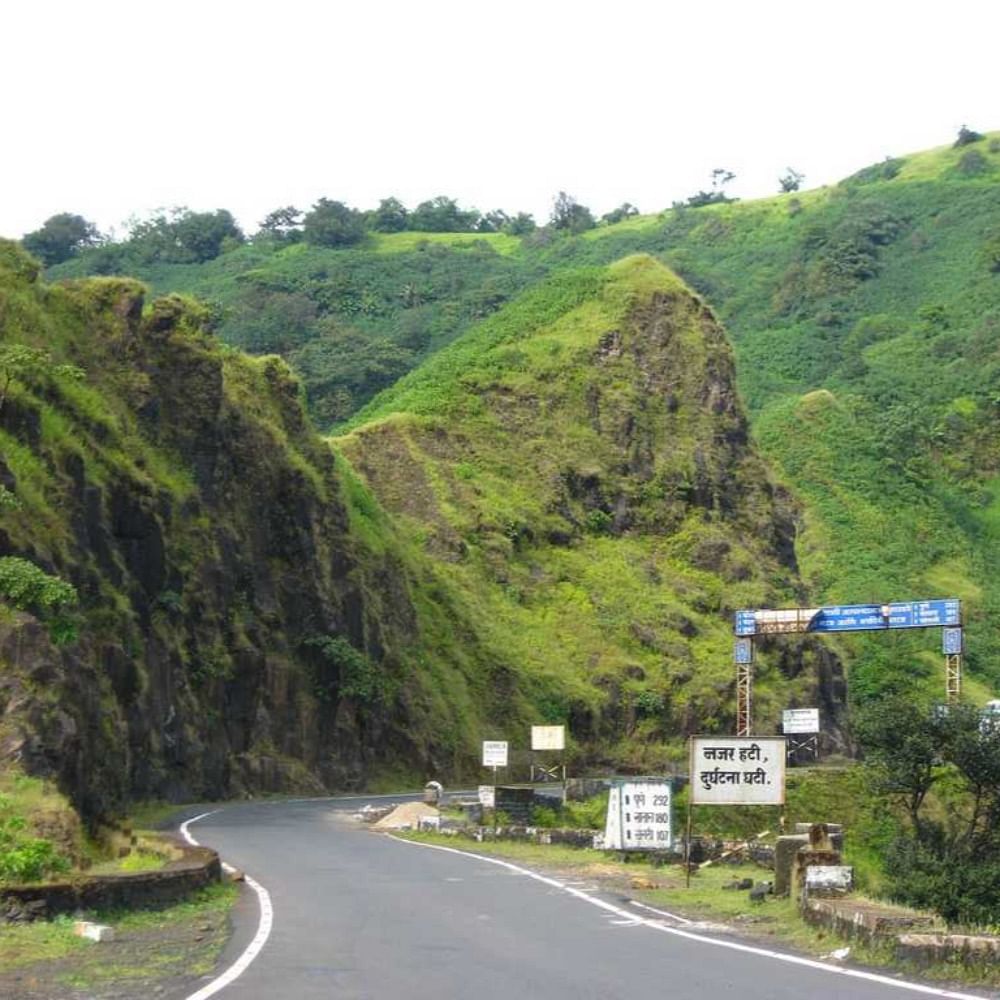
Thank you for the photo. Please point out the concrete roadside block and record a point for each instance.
(93, 932)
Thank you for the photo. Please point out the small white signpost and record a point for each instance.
(800, 720)
(487, 796)
(548, 737)
(639, 816)
(738, 770)
(494, 753)
(802, 726)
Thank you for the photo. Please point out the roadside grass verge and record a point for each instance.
(183, 940)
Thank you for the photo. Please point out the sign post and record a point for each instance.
(802, 724)
(549, 738)
(640, 815)
(494, 755)
(733, 770)
(938, 613)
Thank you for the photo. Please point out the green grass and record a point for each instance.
(146, 946)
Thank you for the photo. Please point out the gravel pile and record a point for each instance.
(406, 816)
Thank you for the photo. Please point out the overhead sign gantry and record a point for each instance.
(945, 614)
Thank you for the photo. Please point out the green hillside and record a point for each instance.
(552, 519)
(865, 319)
(195, 601)
(578, 466)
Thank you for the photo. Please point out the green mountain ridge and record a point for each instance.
(865, 318)
(579, 466)
(545, 498)
(560, 535)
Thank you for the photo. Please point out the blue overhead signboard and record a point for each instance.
(853, 617)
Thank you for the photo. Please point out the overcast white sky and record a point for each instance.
(113, 108)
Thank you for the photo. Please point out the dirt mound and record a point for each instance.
(406, 816)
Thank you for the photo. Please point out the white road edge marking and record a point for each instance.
(662, 913)
(656, 925)
(263, 928)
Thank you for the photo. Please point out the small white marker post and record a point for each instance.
(494, 756)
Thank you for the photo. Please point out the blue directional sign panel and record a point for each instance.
(743, 651)
(952, 642)
(853, 617)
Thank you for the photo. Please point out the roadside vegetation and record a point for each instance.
(151, 950)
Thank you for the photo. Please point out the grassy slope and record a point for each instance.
(513, 456)
(866, 324)
(875, 395)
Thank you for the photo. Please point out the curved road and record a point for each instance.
(359, 915)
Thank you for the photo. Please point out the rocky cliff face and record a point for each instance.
(224, 601)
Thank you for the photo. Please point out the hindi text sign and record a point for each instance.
(737, 770)
(639, 816)
(800, 720)
(494, 753)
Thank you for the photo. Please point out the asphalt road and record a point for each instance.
(360, 915)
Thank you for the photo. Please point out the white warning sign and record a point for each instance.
(738, 770)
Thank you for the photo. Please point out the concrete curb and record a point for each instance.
(196, 868)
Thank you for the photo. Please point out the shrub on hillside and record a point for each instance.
(946, 856)
(24, 858)
(991, 253)
(972, 163)
(967, 136)
(884, 171)
(26, 587)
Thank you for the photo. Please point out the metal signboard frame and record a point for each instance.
(945, 613)
(800, 720)
(548, 737)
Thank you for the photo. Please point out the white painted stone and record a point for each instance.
(829, 879)
(93, 932)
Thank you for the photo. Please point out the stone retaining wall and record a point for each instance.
(930, 949)
(868, 922)
(198, 867)
(911, 934)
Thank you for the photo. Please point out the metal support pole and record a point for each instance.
(687, 847)
(743, 657)
(744, 699)
(953, 677)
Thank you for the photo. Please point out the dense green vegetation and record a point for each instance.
(553, 518)
(537, 429)
(942, 772)
(576, 464)
(866, 322)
